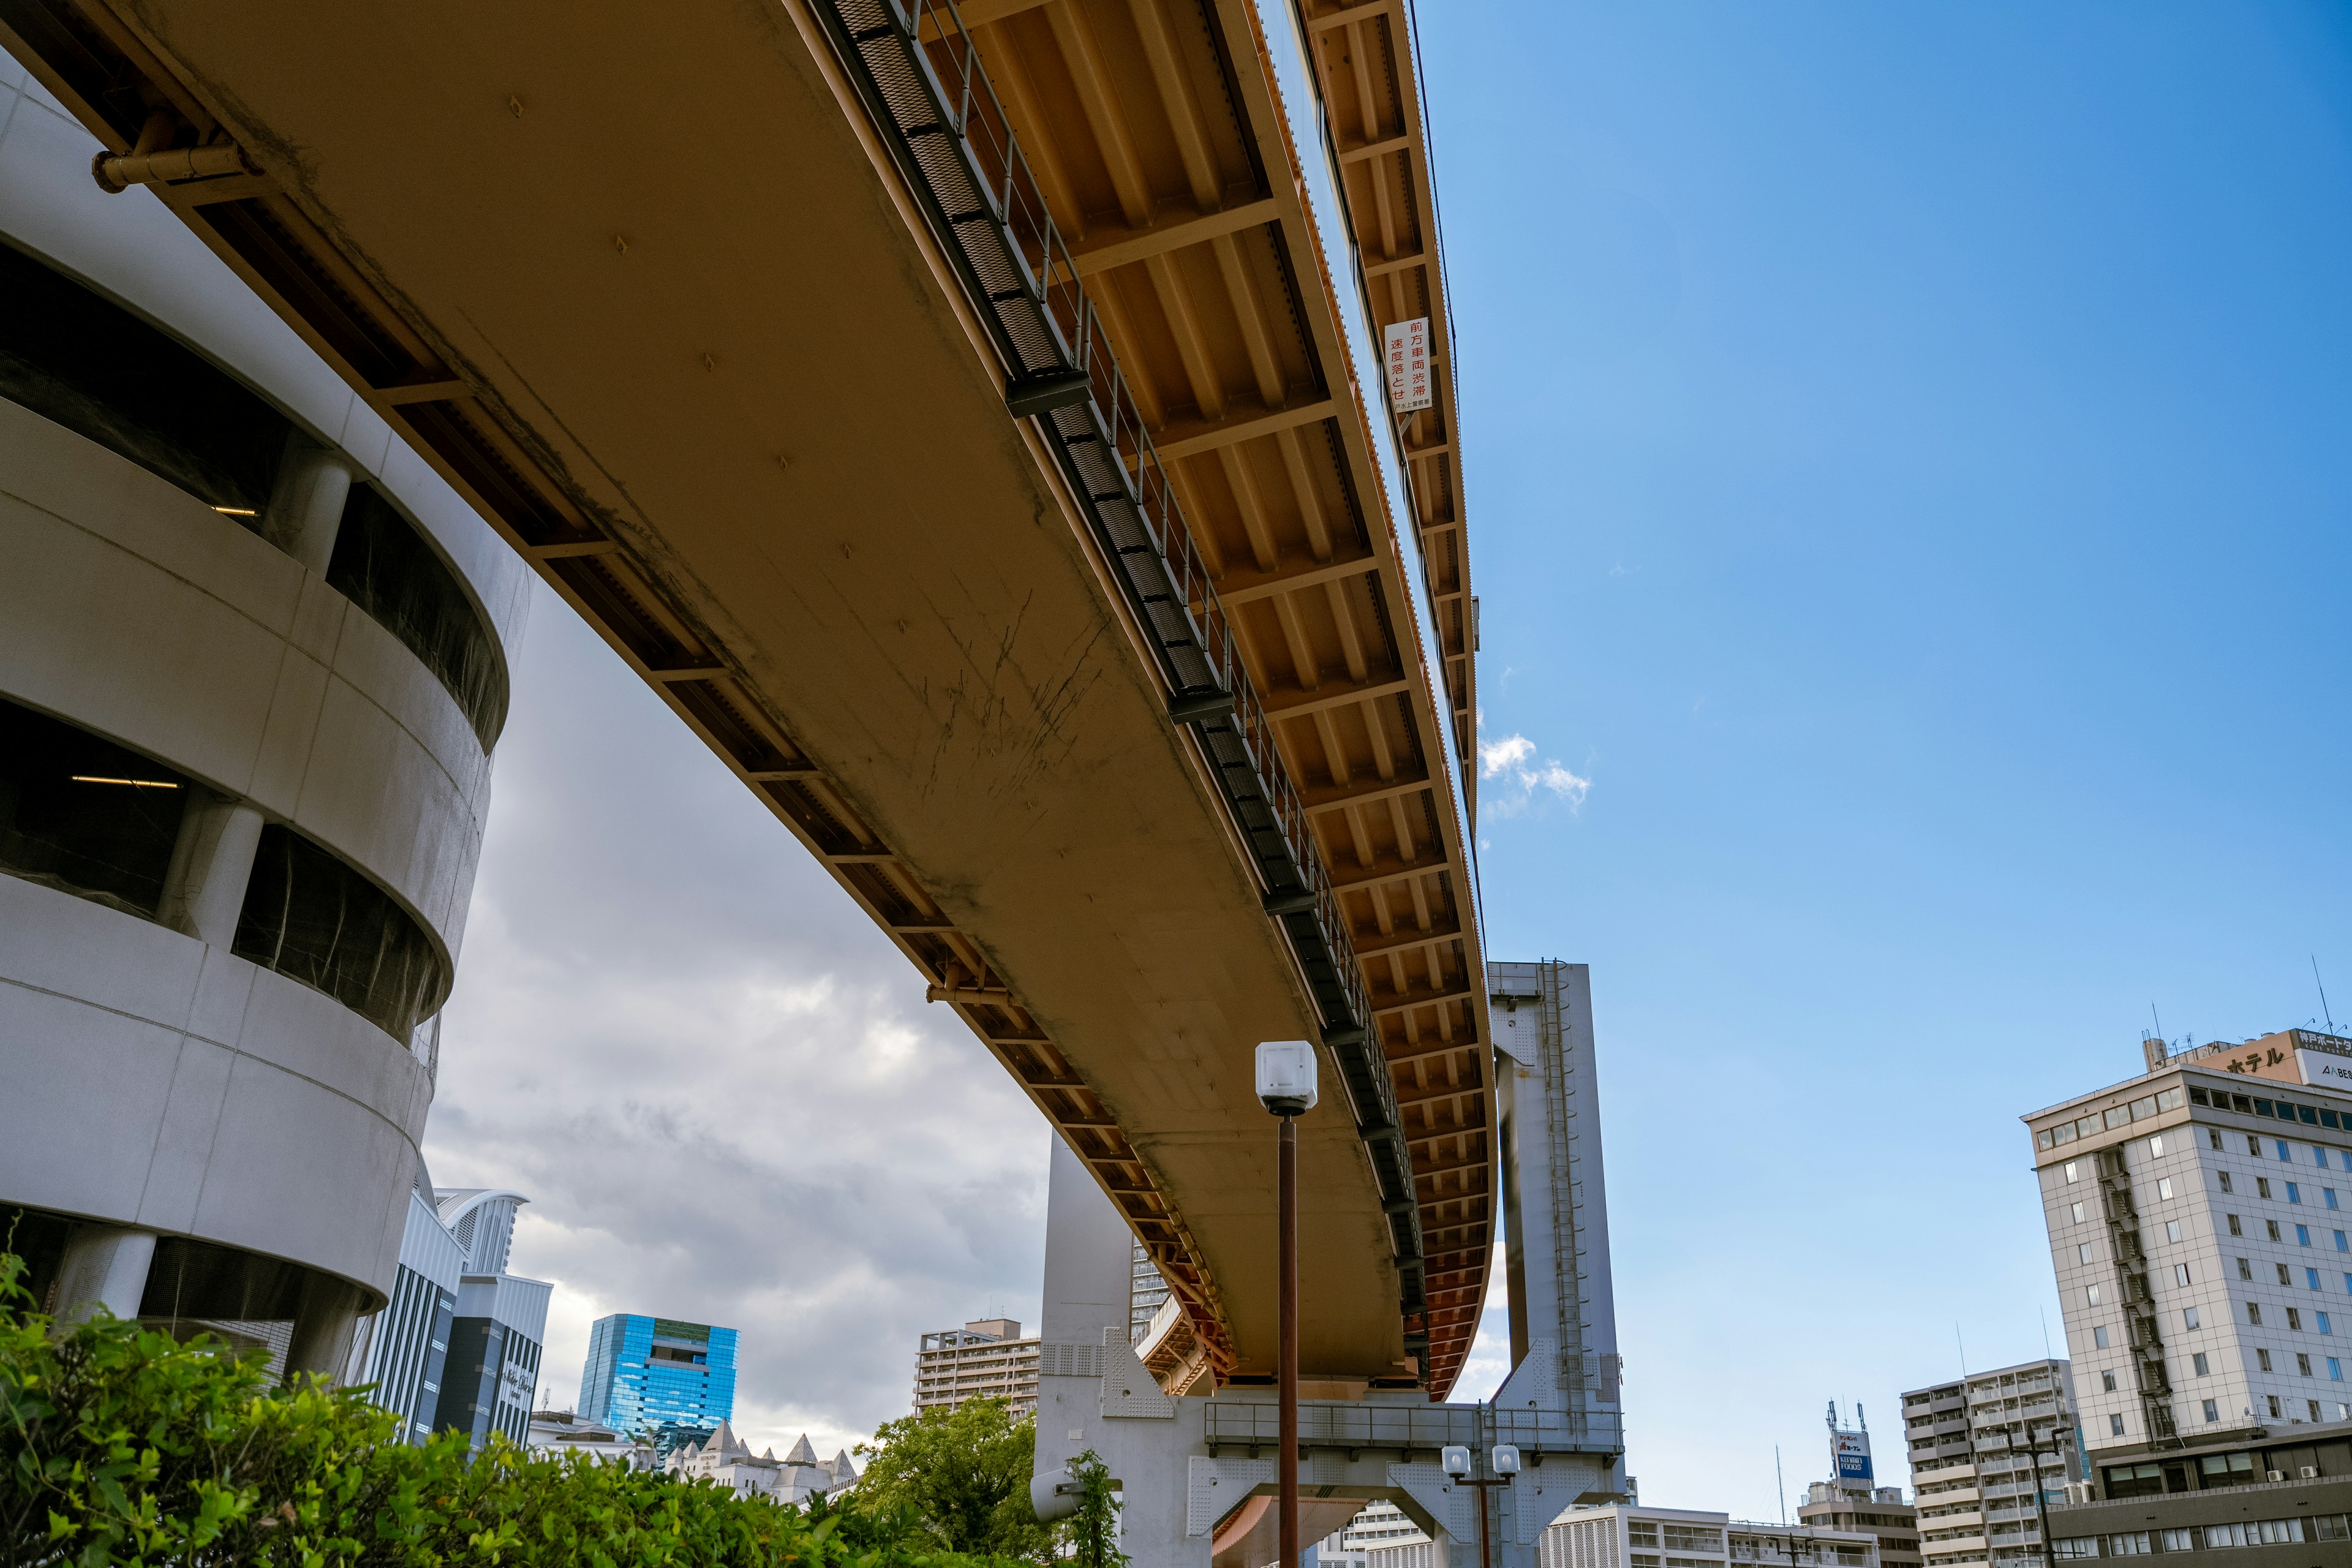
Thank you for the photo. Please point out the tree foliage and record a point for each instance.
(964, 1475)
(119, 1445)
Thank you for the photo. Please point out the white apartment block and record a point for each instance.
(1973, 1468)
(1632, 1535)
(2201, 1223)
(985, 1359)
(1382, 1527)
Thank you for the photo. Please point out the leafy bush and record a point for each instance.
(119, 1445)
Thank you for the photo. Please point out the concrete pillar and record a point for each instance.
(324, 1320)
(105, 1267)
(1092, 1393)
(212, 861)
(306, 511)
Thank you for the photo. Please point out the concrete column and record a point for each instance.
(324, 1320)
(1148, 1443)
(306, 510)
(212, 861)
(106, 1267)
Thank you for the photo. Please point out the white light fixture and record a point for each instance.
(1506, 1460)
(1286, 1076)
(1457, 1462)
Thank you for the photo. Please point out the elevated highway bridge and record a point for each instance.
(954, 418)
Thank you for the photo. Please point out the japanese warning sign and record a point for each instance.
(1407, 348)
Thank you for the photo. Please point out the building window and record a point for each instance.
(2254, 1314)
(2334, 1370)
(2093, 1292)
(2328, 1196)
(2204, 1368)
(2295, 1192)
(2172, 1231)
(2262, 1360)
(2107, 1383)
(2115, 1426)
(2156, 1146)
(2295, 1320)
(2235, 1228)
(2311, 1277)
(2213, 1414)
(2270, 1225)
(2083, 1253)
(2180, 1274)
(2163, 1188)
(2224, 1178)
(2276, 1411)
(2302, 1235)
(2076, 1210)
(2315, 1408)
(2189, 1317)
(2325, 1326)
(2339, 1243)
(2099, 1336)
(2262, 1186)
(2281, 1144)
(2071, 1174)
(2245, 1269)
(2284, 1278)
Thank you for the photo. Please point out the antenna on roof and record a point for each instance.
(2322, 993)
(2159, 1020)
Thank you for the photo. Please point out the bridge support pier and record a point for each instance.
(1196, 1474)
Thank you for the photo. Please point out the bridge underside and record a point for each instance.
(664, 301)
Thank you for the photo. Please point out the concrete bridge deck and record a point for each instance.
(956, 424)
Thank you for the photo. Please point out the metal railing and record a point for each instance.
(1228, 1422)
(920, 75)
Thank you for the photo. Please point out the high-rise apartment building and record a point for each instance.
(253, 669)
(644, 1373)
(1974, 1464)
(986, 1359)
(1636, 1536)
(2201, 1223)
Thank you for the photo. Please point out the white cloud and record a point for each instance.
(715, 1079)
(1511, 764)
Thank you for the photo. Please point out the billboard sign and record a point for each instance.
(1851, 1450)
(1406, 347)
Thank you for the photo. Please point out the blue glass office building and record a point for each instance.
(645, 1372)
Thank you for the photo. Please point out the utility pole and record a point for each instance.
(1506, 1462)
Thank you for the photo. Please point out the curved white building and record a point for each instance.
(253, 661)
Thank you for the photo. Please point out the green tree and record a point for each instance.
(964, 1474)
(119, 1445)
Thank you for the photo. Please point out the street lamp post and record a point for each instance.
(1504, 1460)
(2033, 1449)
(1286, 1085)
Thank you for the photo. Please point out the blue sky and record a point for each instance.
(1906, 488)
(1908, 480)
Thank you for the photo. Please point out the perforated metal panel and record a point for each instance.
(1211, 1487)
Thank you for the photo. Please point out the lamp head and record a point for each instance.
(1286, 1076)
(1506, 1460)
(1456, 1461)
